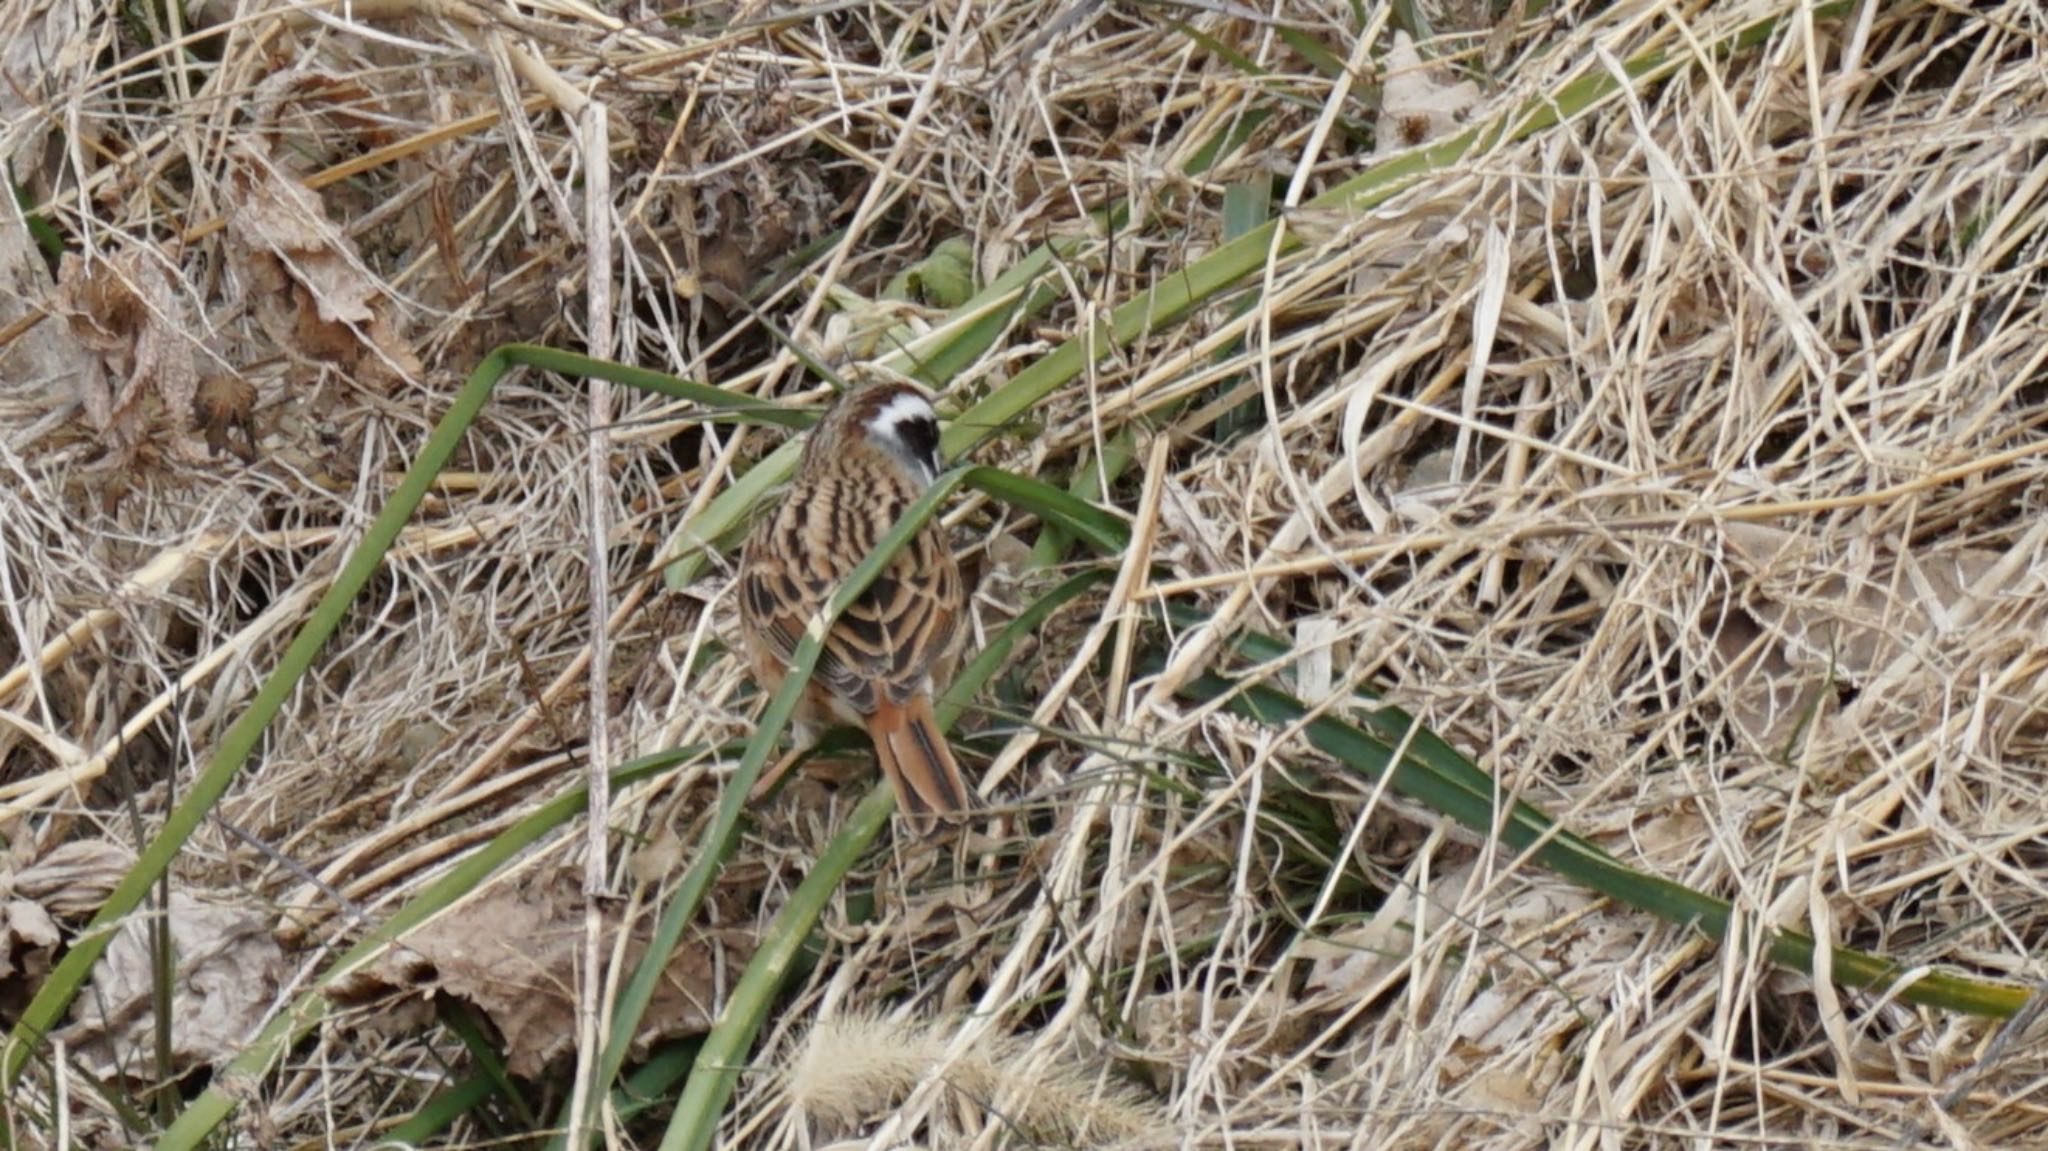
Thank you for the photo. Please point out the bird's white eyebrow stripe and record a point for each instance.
(900, 409)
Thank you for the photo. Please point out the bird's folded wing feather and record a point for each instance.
(891, 635)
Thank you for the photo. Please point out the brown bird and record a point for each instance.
(875, 451)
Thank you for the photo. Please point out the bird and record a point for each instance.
(873, 453)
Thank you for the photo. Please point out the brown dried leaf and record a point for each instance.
(123, 310)
(723, 270)
(28, 942)
(45, 48)
(1767, 696)
(1352, 962)
(27, 937)
(1848, 614)
(306, 283)
(226, 403)
(663, 856)
(229, 971)
(41, 363)
(315, 114)
(1415, 106)
(1168, 1026)
(514, 953)
(75, 878)
(1864, 611)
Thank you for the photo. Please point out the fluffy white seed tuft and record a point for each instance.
(854, 1068)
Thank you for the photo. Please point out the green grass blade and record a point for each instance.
(1246, 208)
(1312, 50)
(1463, 792)
(1101, 529)
(742, 408)
(1219, 49)
(50, 1002)
(694, 1125)
(650, 1084)
(1022, 290)
(723, 833)
(721, 522)
(441, 1111)
(465, 1023)
(978, 671)
(1232, 262)
(241, 738)
(194, 1126)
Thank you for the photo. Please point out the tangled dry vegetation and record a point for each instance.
(1677, 462)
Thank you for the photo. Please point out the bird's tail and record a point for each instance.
(918, 763)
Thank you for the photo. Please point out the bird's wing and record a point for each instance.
(891, 637)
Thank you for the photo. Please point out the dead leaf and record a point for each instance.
(313, 115)
(229, 971)
(723, 271)
(306, 284)
(662, 857)
(1351, 962)
(46, 50)
(122, 309)
(28, 938)
(1171, 1027)
(1767, 698)
(1807, 618)
(514, 953)
(75, 878)
(226, 403)
(1415, 106)
(39, 363)
(66, 883)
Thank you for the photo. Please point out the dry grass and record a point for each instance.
(1680, 463)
